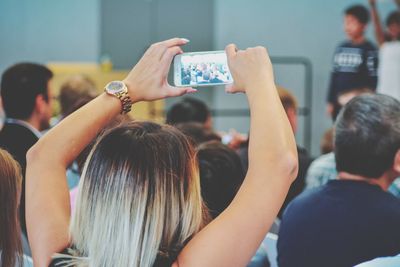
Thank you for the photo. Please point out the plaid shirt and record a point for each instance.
(323, 169)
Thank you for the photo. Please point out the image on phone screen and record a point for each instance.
(202, 69)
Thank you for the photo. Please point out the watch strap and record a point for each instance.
(125, 101)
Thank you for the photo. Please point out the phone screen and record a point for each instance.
(203, 69)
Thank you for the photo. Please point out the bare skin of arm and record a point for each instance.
(234, 236)
(47, 195)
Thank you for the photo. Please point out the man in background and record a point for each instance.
(351, 219)
(27, 102)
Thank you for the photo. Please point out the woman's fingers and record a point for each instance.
(158, 49)
(178, 91)
(231, 50)
(168, 56)
(232, 88)
(176, 41)
(247, 67)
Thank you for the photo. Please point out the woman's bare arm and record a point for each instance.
(47, 196)
(233, 237)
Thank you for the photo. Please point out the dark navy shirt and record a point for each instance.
(17, 139)
(342, 223)
(354, 67)
(65, 260)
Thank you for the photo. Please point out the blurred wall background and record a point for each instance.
(84, 31)
(45, 30)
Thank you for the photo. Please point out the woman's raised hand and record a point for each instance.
(147, 81)
(249, 68)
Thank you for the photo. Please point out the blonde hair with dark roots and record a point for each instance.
(139, 199)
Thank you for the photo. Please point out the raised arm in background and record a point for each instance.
(234, 236)
(379, 32)
(47, 195)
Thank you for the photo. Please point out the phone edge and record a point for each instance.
(177, 73)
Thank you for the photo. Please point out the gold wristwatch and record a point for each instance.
(119, 89)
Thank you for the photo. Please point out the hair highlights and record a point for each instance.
(139, 198)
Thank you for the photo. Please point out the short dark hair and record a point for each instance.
(393, 18)
(197, 133)
(360, 12)
(188, 110)
(345, 94)
(20, 85)
(367, 135)
(221, 175)
(287, 98)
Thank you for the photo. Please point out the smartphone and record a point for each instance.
(201, 69)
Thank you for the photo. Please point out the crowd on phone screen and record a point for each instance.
(204, 73)
(342, 208)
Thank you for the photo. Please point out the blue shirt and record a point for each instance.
(382, 262)
(323, 169)
(342, 223)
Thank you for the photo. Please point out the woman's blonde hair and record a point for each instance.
(10, 193)
(139, 199)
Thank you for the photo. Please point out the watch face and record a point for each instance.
(115, 87)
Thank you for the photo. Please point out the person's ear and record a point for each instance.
(208, 124)
(396, 162)
(40, 103)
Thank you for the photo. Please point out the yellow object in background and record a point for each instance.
(106, 63)
(101, 76)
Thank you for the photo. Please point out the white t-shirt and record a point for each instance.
(389, 69)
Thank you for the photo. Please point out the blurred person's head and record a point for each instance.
(221, 175)
(355, 22)
(75, 92)
(189, 110)
(77, 105)
(197, 133)
(206, 75)
(326, 145)
(393, 25)
(10, 191)
(289, 103)
(141, 187)
(26, 94)
(345, 96)
(116, 122)
(367, 137)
